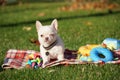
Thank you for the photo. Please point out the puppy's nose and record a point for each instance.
(46, 38)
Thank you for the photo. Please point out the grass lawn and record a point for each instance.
(76, 28)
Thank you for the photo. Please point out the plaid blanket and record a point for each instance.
(17, 59)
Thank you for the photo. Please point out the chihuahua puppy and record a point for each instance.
(51, 46)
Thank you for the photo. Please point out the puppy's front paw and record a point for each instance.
(44, 64)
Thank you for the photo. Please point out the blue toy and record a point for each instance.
(85, 58)
(34, 63)
(29, 62)
(95, 54)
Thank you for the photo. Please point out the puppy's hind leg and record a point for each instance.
(60, 57)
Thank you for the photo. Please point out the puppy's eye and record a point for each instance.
(41, 35)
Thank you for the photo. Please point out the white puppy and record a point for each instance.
(51, 46)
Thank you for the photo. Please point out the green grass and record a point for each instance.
(76, 28)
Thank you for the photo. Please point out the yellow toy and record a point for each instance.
(85, 50)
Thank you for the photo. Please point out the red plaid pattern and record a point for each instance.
(16, 54)
(16, 58)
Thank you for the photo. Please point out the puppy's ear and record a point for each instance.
(54, 24)
(38, 25)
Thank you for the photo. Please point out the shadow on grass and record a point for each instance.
(1, 69)
(62, 18)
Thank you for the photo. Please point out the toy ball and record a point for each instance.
(111, 43)
(28, 66)
(33, 64)
(34, 60)
(101, 54)
(29, 62)
(40, 64)
(38, 60)
(31, 56)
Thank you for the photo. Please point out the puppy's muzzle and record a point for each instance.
(46, 38)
